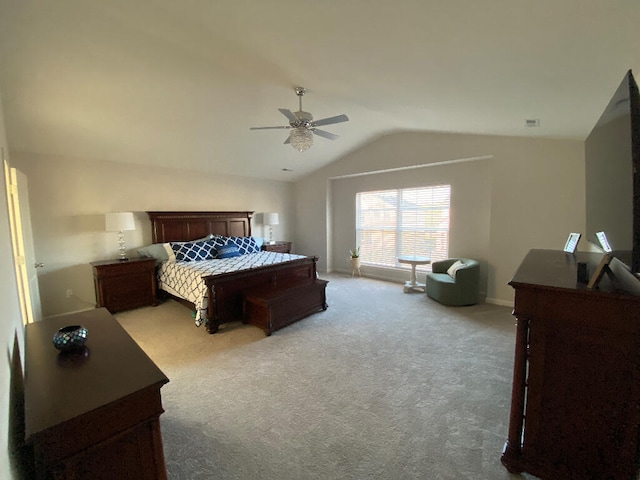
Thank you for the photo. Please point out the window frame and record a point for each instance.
(409, 221)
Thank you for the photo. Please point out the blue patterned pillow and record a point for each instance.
(194, 251)
(219, 241)
(172, 254)
(246, 244)
(228, 251)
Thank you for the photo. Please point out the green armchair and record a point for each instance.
(461, 289)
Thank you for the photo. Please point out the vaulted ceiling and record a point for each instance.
(179, 83)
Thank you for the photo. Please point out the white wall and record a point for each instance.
(10, 328)
(533, 188)
(69, 198)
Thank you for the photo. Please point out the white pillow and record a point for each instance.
(170, 254)
(454, 268)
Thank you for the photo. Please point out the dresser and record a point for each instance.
(92, 414)
(123, 285)
(575, 405)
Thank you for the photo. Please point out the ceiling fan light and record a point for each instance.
(301, 139)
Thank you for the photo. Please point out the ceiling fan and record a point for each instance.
(303, 127)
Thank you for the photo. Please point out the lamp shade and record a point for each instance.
(119, 221)
(271, 218)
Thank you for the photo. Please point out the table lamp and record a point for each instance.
(271, 218)
(119, 222)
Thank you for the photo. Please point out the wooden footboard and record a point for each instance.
(225, 290)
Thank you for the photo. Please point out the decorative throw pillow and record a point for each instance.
(228, 251)
(219, 241)
(246, 244)
(169, 249)
(193, 251)
(453, 269)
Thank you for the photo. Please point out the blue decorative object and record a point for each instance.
(228, 251)
(219, 241)
(70, 338)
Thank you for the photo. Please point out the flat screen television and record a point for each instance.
(612, 155)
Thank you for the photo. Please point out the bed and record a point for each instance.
(225, 290)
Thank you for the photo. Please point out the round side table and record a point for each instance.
(412, 285)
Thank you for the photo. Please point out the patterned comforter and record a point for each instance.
(185, 278)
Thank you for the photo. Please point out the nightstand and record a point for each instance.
(281, 247)
(125, 285)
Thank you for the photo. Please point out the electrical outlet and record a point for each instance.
(69, 293)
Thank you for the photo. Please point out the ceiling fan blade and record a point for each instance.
(288, 140)
(268, 128)
(287, 113)
(327, 135)
(330, 120)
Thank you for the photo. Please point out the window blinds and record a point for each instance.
(410, 221)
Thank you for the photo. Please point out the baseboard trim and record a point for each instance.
(497, 301)
(493, 301)
(367, 275)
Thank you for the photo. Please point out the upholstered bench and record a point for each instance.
(272, 307)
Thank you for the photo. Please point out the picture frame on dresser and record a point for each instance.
(572, 243)
(601, 269)
(603, 242)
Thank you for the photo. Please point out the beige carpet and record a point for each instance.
(382, 385)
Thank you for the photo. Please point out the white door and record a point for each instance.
(24, 252)
(29, 251)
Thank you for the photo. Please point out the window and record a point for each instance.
(409, 221)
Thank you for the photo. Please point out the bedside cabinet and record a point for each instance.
(125, 285)
(281, 247)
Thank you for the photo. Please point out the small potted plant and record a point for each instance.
(354, 259)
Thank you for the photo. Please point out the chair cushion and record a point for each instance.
(444, 278)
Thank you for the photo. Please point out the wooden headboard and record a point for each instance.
(186, 226)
